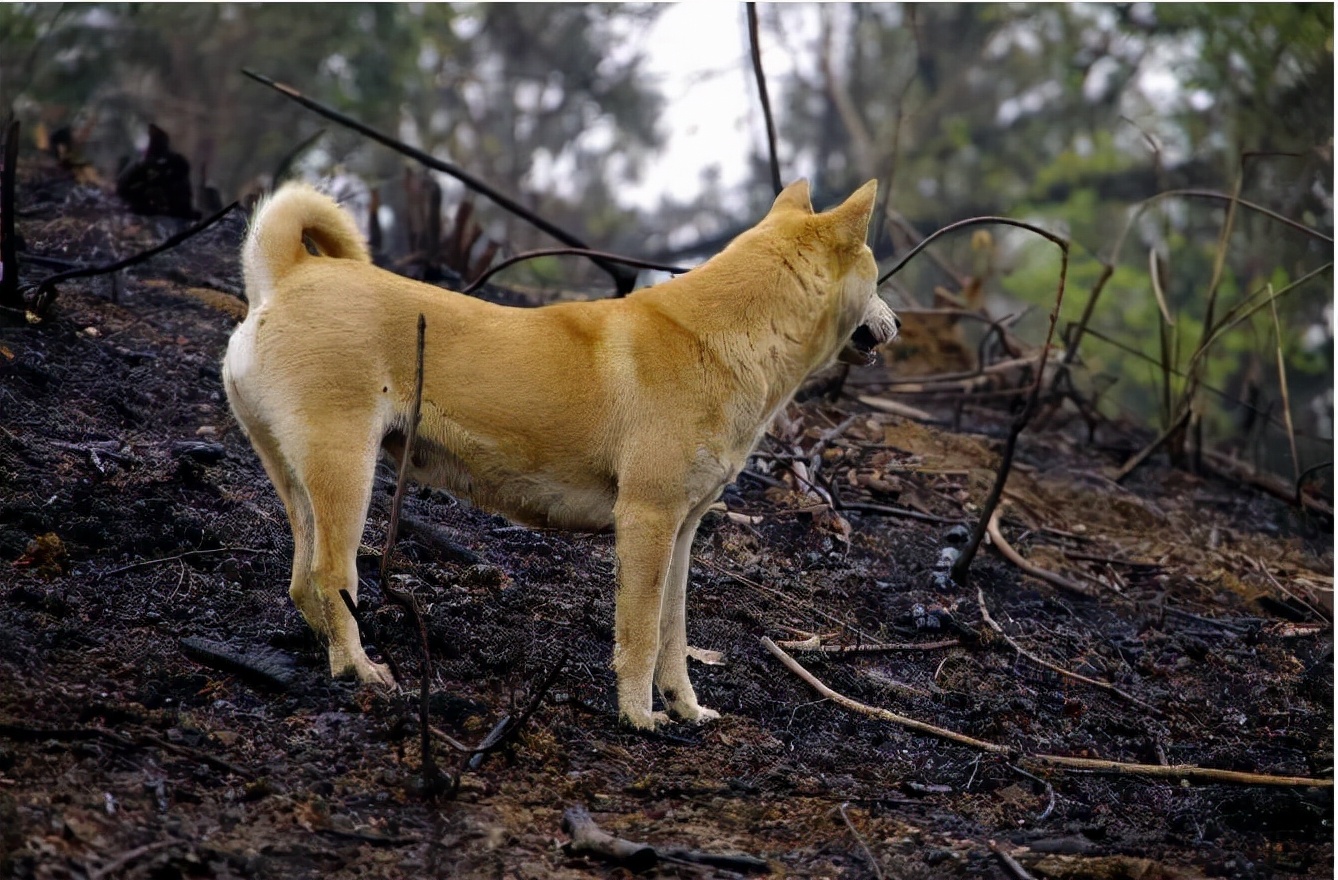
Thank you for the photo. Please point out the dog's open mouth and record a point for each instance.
(862, 349)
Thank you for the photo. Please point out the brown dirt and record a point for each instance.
(136, 527)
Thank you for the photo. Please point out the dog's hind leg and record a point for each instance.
(336, 472)
(645, 546)
(295, 504)
(671, 669)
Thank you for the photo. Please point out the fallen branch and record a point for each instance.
(1188, 772)
(1013, 865)
(115, 865)
(265, 668)
(46, 288)
(1058, 670)
(623, 278)
(784, 597)
(587, 838)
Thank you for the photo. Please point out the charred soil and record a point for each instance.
(164, 711)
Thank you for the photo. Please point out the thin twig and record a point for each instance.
(784, 597)
(814, 645)
(1108, 263)
(623, 278)
(883, 714)
(756, 49)
(129, 856)
(973, 221)
(570, 252)
(1013, 865)
(1282, 385)
(10, 298)
(1142, 455)
(432, 776)
(1007, 551)
(889, 510)
(46, 289)
(859, 838)
(1059, 670)
(1049, 792)
(961, 568)
(143, 563)
(1189, 772)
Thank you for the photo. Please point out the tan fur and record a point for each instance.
(631, 414)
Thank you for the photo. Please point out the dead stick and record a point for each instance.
(587, 838)
(431, 775)
(1188, 772)
(622, 277)
(778, 594)
(129, 856)
(756, 49)
(1059, 670)
(10, 298)
(962, 567)
(1142, 455)
(46, 290)
(815, 646)
(859, 838)
(1013, 865)
(189, 553)
(875, 712)
(1007, 551)
(570, 252)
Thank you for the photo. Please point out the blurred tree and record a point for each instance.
(1070, 115)
(534, 97)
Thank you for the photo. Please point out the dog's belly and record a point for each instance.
(533, 498)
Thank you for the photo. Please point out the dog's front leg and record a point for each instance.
(645, 539)
(671, 670)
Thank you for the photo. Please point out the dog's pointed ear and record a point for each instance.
(793, 198)
(852, 216)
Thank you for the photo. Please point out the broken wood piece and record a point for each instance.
(897, 409)
(587, 838)
(439, 539)
(265, 668)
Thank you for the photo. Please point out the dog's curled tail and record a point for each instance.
(275, 241)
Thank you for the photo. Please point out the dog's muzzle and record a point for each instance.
(880, 326)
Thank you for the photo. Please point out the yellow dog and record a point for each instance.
(631, 414)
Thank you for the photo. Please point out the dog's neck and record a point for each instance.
(760, 308)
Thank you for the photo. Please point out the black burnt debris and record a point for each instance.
(164, 712)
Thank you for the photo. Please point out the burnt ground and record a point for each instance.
(141, 547)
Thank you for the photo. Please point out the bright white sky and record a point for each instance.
(697, 51)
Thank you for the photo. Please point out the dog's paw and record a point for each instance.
(643, 720)
(695, 714)
(344, 661)
(375, 673)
